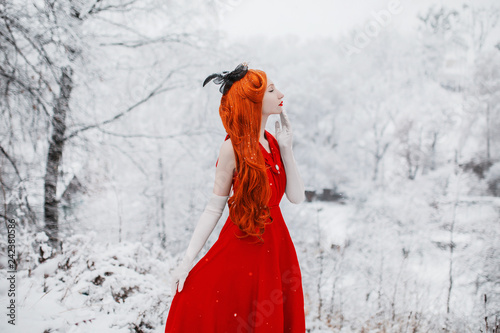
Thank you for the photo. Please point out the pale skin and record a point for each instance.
(227, 164)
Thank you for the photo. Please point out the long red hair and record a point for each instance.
(241, 113)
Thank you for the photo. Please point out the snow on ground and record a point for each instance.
(380, 263)
(94, 287)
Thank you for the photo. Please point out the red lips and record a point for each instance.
(281, 104)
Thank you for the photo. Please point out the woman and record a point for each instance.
(250, 279)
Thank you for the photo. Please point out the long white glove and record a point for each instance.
(294, 186)
(206, 224)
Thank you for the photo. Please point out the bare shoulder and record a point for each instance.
(226, 149)
(226, 155)
(225, 169)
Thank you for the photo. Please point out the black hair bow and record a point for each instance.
(228, 78)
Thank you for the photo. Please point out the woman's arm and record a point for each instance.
(217, 202)
(210, 216)
(294, 186)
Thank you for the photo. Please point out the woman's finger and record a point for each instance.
(284, 120)
(287, 121)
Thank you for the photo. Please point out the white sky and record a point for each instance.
(316, 18)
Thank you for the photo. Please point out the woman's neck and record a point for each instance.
(262, 138)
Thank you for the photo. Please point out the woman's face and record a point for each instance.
(272, 102)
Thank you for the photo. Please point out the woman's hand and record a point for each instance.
(284, 135)
(179, 274)
(206, 224)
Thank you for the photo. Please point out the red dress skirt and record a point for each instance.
(241, 285)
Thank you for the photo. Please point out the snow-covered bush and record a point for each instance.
(96, 287)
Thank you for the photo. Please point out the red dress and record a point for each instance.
(242, 286)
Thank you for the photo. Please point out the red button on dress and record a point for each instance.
(242, 286)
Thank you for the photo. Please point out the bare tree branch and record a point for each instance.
(11, 162)
(37, 97)
(117, 8)
(180, 38)
(158, 90)
(31, 214)
(35, 44)
(156, 137)
(12, 41)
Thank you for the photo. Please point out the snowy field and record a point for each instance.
(380, 265)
